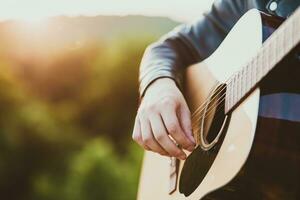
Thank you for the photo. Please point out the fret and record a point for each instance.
(273, 50)
(286, 41)
(257, 67)
(251, 74)
(290, 36)
(268, 65)
(277, 46)
(295, 31)
(265, 61)
(248, 78)
(235, 99)
(249, 71)
(232, 93)
(233, 89)
(240, 85)
(259, 64)
(241, 82)
(228, 95)
(281, 44)
(245, 74)
(244, 81)
(254, 70)
(254, 78)
(283, 49)
(297, 24)
(228, 98)
(275, 43)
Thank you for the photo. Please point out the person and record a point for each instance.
(163, 111)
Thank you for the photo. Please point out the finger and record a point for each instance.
(161, 136)
(186, 122)
(148, 138)
(137, 134)
(173, 127)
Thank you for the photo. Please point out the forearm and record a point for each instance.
(189, 44)
(167, 58)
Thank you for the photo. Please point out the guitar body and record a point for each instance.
(257, 155)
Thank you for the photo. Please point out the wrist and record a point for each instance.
(162, 82)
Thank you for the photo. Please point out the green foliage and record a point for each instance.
(67, 113)
(94, 172)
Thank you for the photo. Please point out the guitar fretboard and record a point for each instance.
(274, 49)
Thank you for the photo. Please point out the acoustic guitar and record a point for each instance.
(245, 104)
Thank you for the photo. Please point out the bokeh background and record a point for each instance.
(69, 93)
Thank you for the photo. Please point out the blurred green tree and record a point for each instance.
(67, 107)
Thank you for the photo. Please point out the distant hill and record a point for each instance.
(108, 26)
(56, 54)
(65, 30)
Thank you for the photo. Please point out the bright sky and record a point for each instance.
(34, 10)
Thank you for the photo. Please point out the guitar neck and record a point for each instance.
(274, 49)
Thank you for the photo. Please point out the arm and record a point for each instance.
(163, 111)
(189, 43)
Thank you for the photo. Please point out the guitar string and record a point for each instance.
(229, 80)
(198, 111)
(210, 107)
(196, 127)
(274, 39)
(209, 99)
(196, 121)
(210, 110)
(221, 99)
(206, 101)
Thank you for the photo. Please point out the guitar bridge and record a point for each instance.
(173, 178)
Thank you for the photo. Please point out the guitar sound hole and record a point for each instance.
(200, 160)
(214, 119)
(217, 123)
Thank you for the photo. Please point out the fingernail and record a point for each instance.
(182, 157)
(192, 139)
(191, 149)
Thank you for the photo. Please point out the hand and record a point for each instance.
(163, 113)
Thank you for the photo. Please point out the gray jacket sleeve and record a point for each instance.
(189, 43)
